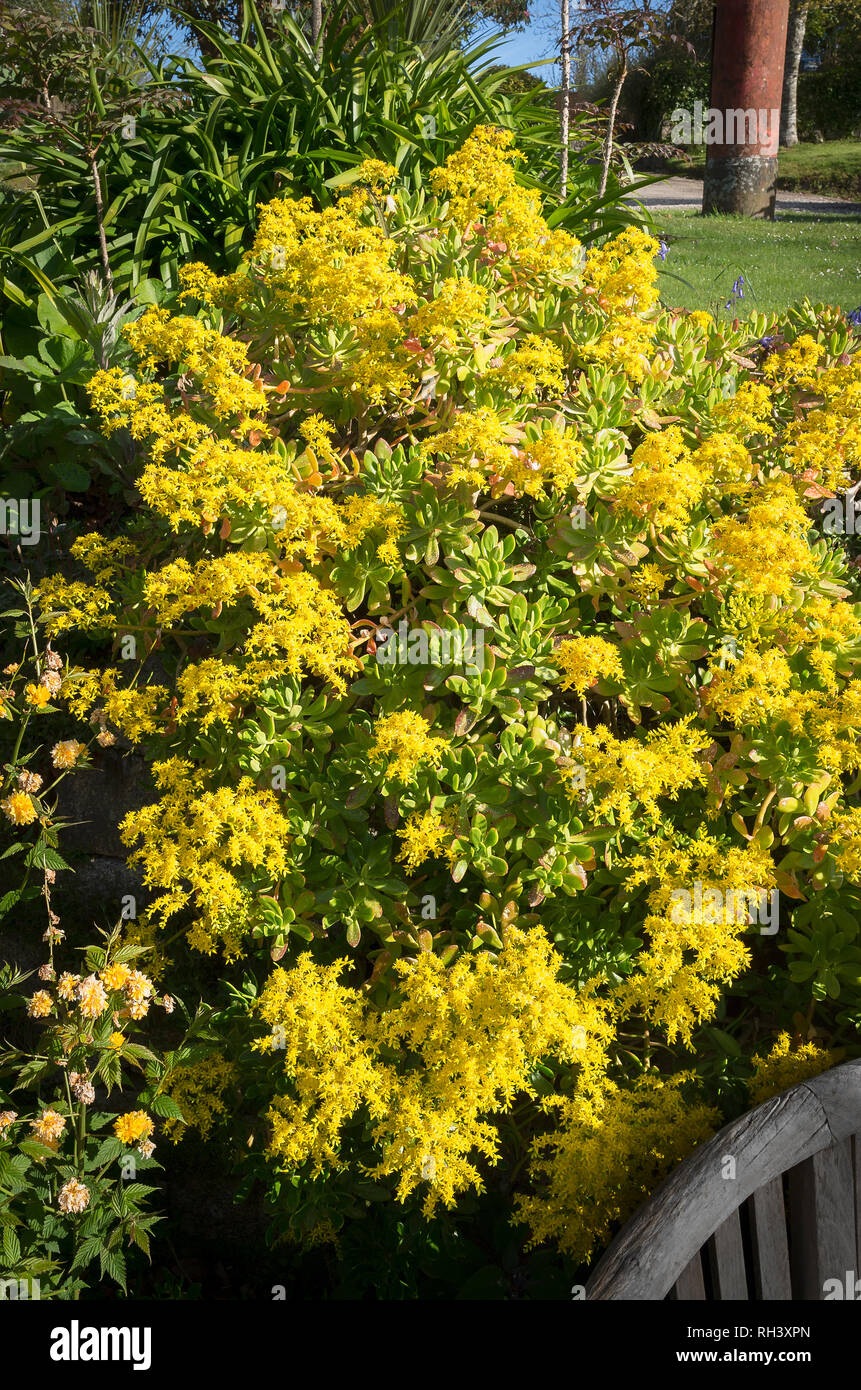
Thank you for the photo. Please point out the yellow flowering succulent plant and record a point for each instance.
(499, 638)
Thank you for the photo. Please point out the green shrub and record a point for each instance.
(506, 705)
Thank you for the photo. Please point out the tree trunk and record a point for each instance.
(611, 127)
(565, 97)
(316, 22)
(794, 44)
(100, 219)
(746, 86)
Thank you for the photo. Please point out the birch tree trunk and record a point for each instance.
(794, 44)
(611, 125)
(565, 95)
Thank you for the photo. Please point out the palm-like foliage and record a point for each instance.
(262, 117)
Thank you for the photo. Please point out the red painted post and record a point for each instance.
(746, 92)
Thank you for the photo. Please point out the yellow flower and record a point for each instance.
(785, 1065)
(67, 985)
(37, 695)
(134, 1125)
(583, 660)
(114, 976)
(116, 1041)
(198, 1090)
(403, 740)
(48, 1127)
(92, 999)
(7, 1118)
(19, 808)
(40, 1004)
(65, 755)
(424, 835)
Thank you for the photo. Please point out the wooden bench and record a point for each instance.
(769, 1208)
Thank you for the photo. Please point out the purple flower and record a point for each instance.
(665, 249)
(855, 318)
(738, 288)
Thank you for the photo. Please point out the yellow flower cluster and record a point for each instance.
(301, 623)
(796, 365)
(785, 1065)
(695, 944)
(470, 1035)
(479, 180)
(198, 1090)
(584, 660)
(824, 446)
(535, 365)
(194, 845)
(459, 309)
(607, 1153)
(767, 551)
(218, 363)
(403, 742)
(626, 778)
(623, 278)
(424, 835)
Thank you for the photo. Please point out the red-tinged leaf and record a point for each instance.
(788, 885)
(462, 722)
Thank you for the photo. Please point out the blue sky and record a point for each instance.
(537, 41)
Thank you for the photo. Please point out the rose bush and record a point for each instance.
(495, 667)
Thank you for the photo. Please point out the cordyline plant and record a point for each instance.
(502, 676)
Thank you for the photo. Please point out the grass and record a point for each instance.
(800, 255)
(832, 168)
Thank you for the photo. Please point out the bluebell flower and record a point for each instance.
(855, 318)
(738, 288)
(665, 249)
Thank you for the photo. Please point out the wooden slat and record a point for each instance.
(770, 1246)
(650, 1253)
(655, 1245)
(727, 1260)
(690, 1285)
(822, 1215)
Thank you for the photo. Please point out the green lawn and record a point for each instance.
(833, 167)
(798, 255)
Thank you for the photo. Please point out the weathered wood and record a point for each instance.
(770, 1246)
(726, 1254)
(822, 1207)
(839, 1091)
(690, 1285)
(856, 1161)
(650, 1253)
